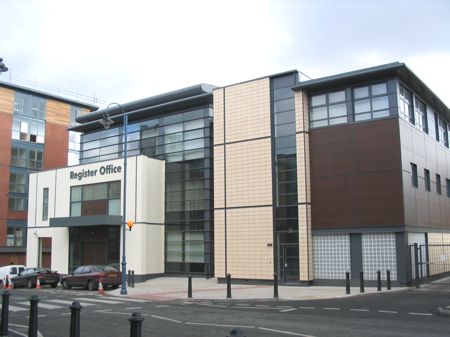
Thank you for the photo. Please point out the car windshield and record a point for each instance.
(104, 268)
(42, 270)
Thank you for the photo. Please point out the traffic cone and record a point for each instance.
(38, 283)
(100, 288)
(8, 284)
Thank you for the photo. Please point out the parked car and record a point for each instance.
(90, 275)
(28, 278)
(9, 272)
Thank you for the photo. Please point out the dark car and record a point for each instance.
(90, 275)
(28, 278)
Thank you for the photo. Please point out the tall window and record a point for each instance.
(438, 184)
(15, 236)
(420, 115)
(442, 132)
(328, 109)
(427, 180)
(95, 199)
(371, 101)
(28, 130)
(405, 105)
(414, 177)
(18, 182)
(45, 204)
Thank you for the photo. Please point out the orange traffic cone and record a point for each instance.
(100, 288)
(8, 283)
(38, 283)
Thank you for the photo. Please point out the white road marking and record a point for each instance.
(96, 300)
(166, 319)
(284, 332)
(258, 308)
(214, 305)
(162, 306)
(420, 313)
(125, 299)
(309, 308)
(331, 308)
(43, 305)
(287, 310)
(364, 310)
(222, 325)
(22, 326)
(388, 311)
(69, 302)
(13, 308)
(133, 308)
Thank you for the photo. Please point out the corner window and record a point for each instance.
(420, 115)
(371, 102)
(438, 184)
(427, 180)
(405, 104)
(414, 177)
(45, 204)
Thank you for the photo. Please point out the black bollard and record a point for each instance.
(347, 282)
(236, 332)
(378, 280)
(228, 285)
(135, 324)
(189, 286)
(75, 309)
(5, 313)
(207, 271)
(132, 279)
(361, 281)
(129, 278)
(33, 323)
(388, 279)
(275, 285)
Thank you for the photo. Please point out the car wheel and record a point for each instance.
(65, 285)
(91, 285)
(54, 285)
(30, 284)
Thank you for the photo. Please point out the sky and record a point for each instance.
(120, 51)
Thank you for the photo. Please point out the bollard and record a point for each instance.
(236, 332)
(361, 281)
(347, 282)
(378, 280)
(275, 285)
(207, 271)
(33, 323)
(75, 309)
(189, 286)
(5, 313)
(388, 279)
(135, 324)
(129, 278)
(132, 279)
(228, 285)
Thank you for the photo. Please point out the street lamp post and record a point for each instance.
(106, 121)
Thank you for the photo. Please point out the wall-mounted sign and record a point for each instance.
(105, 169)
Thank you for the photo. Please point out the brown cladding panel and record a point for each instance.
(56, 146)
(57, 113)
(356, 175)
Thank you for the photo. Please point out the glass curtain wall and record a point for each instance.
(285, 181)
(184, 140)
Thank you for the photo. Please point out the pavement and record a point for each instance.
(171, 288)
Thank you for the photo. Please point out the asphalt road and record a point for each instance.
(400, 313)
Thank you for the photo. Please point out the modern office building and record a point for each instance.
(33, 136)
(306, 179)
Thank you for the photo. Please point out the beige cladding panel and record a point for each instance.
(438, 238)
(303, 168)
(218, 116)
(219, 243)
(247, 111)
(219, 177)
(57, 112)
(6, 100)
(301, 111)
(249, 243)
(305, 242)
(249, 173)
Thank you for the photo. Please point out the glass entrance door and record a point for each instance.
(289, 263)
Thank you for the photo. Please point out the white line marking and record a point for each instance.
(287, 310)
(118, 313)
(420, 313)
(13, 308)
(214, 305)
(388, 311)
(69, 302)
(103, 310)
(43, 305)
(262, 305)
(97, 300)
(22, 326)
(133, 308)
(166, 319)
(125, 299)
(331, 308)
(259, 308)
(309, 308)
(162, 306)
(284, 332)
(222, 325)
(364, 310)
(17, 332)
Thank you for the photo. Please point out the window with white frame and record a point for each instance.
(28, 130)
(420, 115)
(405, 104)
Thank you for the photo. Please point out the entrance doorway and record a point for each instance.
(288, 266)
(45, 252)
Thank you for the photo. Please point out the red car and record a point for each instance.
(89, 277)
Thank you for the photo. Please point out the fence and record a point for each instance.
(429, 264)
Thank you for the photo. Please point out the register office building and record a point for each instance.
(304, 178)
